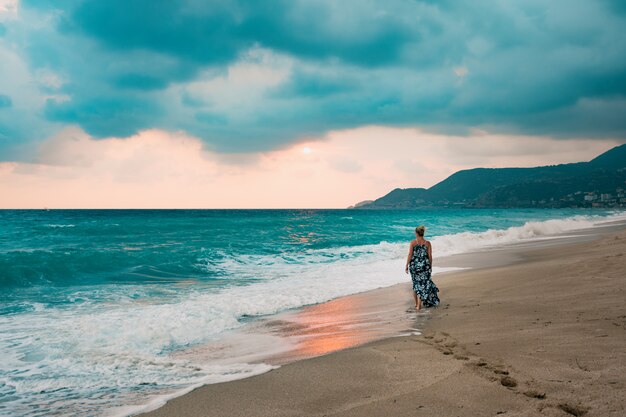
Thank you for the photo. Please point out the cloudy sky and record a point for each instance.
(296, 103)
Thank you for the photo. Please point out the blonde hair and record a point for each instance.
(420, 230)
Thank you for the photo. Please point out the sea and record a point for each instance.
(97, 305)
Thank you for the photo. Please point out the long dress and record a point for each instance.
(420, 275)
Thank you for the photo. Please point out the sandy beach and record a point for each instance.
(542, 333)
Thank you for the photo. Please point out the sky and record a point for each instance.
(296, 103)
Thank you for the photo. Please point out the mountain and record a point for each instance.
(612, 159)
(361, 204)
(599, 182)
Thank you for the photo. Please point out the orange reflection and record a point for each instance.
(335, 325)
(326, 327)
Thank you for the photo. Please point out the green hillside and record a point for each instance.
(599, 182)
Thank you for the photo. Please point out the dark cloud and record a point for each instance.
(215, 32)
(211, 118)
(5, 101)
(107, 116)
(183, 29)
(139, 82)
(617, 6)
(315, 84)
(522, 67)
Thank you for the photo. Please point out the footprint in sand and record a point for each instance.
(499, 373)
(575, 410)
(535, 394)
(509, 382)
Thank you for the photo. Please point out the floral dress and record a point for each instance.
(420, 274)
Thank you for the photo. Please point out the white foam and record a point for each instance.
(104, 348)
(472, 241)
(60, 225)
(226, 375)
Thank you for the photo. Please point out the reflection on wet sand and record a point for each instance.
(314, 330)
(342, 323)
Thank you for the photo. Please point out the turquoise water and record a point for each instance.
(94, 302)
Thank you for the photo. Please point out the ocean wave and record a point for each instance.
(122, 345)
(472, 241)
(276, 283)
(270, 266)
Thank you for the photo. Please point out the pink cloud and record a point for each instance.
(164, 169)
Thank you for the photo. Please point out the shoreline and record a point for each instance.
(507, 258)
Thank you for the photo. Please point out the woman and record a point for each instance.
(420, 263)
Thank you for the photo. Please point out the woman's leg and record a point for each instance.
(416, 299)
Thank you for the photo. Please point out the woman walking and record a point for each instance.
(420, 264)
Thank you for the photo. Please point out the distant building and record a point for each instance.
(590, 197)
(605, 197)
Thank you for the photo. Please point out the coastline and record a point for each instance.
(467, 353)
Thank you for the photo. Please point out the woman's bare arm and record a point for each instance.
(430, 255)
(408, 258)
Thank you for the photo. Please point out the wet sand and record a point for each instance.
(538, 330)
